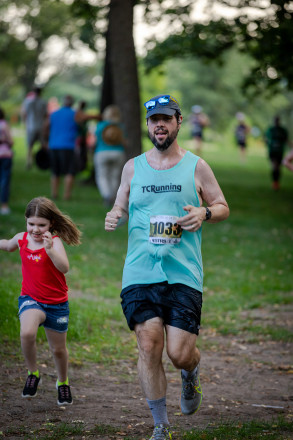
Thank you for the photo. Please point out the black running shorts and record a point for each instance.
(63, 162)
(177, 304)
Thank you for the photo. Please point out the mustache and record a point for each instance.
(161, 130)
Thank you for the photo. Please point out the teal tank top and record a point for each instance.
(157, 251)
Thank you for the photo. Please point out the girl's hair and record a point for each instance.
(61, 223)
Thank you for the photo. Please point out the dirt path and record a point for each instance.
(240, 381)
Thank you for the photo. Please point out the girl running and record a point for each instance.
(44, 293)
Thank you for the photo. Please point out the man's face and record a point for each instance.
(162, 130)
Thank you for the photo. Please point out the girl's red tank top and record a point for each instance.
(40, 278)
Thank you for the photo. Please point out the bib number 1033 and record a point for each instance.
(164, 229)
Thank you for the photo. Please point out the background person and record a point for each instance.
(6, 155)
(44, 298)
(161, 195)
(63, 129)
(34, 112)
(276, 138)
(198, 121)
(82, 118)
(241, 133)
(109, 154)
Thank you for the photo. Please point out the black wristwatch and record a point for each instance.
(208, 214)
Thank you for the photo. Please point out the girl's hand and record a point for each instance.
(48, 240)
(57, 252)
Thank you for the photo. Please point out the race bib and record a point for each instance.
(164, 229)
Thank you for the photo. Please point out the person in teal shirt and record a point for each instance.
(109, 154)
(162, 196)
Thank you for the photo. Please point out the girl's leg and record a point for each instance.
(29, 324)
(57, 343)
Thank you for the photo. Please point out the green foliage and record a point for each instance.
(217, 89)
(49, 431)
(277, 430)
(206, 42)
(87, 14)
(265, 36)
(27, 31)
(76, 81)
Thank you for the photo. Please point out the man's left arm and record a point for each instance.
(209, 191)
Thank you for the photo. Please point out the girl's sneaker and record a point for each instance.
(64, 395)
(31, 386)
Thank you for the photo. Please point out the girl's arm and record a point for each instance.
(12, 244)
(56, 252)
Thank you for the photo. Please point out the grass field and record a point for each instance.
(248, 262)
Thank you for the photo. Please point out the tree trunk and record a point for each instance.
(124, 74)
(107, 86)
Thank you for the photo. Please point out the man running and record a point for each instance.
(276, 138)
(161, 195)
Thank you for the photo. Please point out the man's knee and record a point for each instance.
(183, 358)
(150, 346)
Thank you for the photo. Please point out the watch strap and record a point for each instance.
(208, 214)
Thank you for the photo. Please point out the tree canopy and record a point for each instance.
(26, 28)
(262, 29)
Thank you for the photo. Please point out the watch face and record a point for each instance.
(208, 214)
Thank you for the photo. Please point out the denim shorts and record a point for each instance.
(177, 304)
(57, 315)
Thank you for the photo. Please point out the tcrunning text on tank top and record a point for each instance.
(161, 188)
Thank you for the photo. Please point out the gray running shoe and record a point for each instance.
(161, 432)
(191, 394)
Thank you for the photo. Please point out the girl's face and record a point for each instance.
(37, 226)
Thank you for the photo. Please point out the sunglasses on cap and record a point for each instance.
(162, 100)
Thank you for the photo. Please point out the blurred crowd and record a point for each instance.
(69, 139)
(276, 139)
(60, 138)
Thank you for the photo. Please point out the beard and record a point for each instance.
(167, 142)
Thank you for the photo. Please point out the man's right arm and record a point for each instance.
(118, 215)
